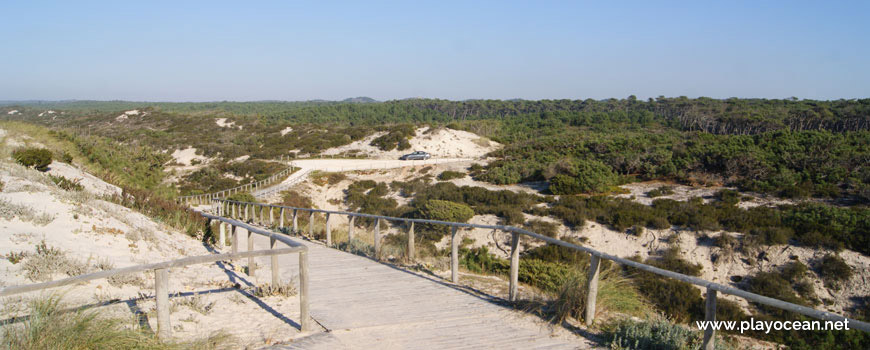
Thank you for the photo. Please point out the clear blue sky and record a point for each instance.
(257, 50)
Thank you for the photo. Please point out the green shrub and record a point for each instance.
(729, 197)
(450, 175)
(163, 210)
(396, 138)
(661, 191)
(833, 270)
(445, 211)
(583, 176)
(37, 158)
(654, 334)
(66, 184)
(774, 285)
(794, 271)
(64, 156)
(242, 197)
(545, 228)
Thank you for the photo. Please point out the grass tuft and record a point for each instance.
(49, 326)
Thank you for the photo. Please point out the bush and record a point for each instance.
(583, 176)
(65, 157)
(66, 184)
(833, 270)
(772, 284)
(661, 191)
(450, 175)
(654, 334)
(445, 211)
(242, 197)
(37, 158)
(545, 228)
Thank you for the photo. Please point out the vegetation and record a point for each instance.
(661, 191)
(66, 184)
(50, 326)
(37, 158)
(581, 176)
(46, 261)
(656, 333)
(162, 210)
(450, 175)
(396, 138)
(810, 224)
(242, 197)
(9, 210)
(834, 270)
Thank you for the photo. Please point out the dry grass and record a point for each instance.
(268, 290)
(194, 302)
(9, 210)
(47, 261)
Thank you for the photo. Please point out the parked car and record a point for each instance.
(417, 155)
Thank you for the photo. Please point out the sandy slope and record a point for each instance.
(95, 234)
(440, 143)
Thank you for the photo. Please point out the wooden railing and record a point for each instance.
(205, 198)
(256, 212)
(161, 271)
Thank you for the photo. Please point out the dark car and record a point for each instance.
(418, 155)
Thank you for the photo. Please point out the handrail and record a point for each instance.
(161, 269)
(253, 186)
(194, 260)
(712, 287)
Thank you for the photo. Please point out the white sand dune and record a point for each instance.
(440, 143)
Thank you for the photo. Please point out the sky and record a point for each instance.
(284, 50)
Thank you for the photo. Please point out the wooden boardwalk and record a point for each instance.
(362, 304)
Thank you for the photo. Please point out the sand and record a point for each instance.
(186, 156)
(440, 143)
(222, 122)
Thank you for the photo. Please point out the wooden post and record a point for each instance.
(454, 255)
(377, 239)
(276, 276)
(303, 291)
(235, 234)
(328, 232)
(411, 242)
(246, 212)
(710, 316)
(311, 225)
(251, 263)
(350, 228)
(271, 216)
(282, 217)
(223, 235)
(295, 225)
(515, 267)
(592, 288)
(161, 294)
